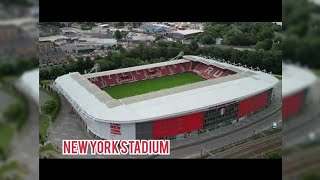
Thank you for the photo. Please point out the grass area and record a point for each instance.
(44, 123)
(276, 154)
(18, 111)
(311, 175)
(6, 135)
(12, 166)
(48, 151)
(47, 119)
(49, 147)
(56, 98)
(317, 72)
(150, 85)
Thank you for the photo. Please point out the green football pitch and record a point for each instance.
(150, 85)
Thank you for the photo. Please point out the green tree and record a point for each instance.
(13, 112)
(118, 34)
(48, 107)
(206, 39)
(44, 74)
(265, 44)
(193, 46)
(57, 71)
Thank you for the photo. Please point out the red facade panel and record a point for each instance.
(177, 125)
(252, 104)
(291, 105)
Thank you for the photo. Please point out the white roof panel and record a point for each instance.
(191, 100)
(295, 79)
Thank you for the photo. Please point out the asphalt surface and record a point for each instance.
(66, 126)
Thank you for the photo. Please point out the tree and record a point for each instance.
(265, 44)
(44, 74)
(57, 71)
(193, 46)
(206, 39)
(13, 112)
(102, 48)
(48, 107)
(118, 34)
(265, 33)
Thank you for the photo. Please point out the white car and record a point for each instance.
(274, 125)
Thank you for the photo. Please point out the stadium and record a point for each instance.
(172, 100)
(296, 85)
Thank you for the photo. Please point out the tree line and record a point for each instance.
(301, 32)
(17, 66)
(163, 51)
(239, 34)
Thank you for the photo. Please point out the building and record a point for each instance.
(296, 82)
(53, 58)
(147, 40)
(73, 49)
(153, 27)
(184, 34)
(56, 39)
(96, 42)
(67, 31)
(14, 42)
(45, 46)
(228, 94)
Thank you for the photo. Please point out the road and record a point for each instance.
(66, 126)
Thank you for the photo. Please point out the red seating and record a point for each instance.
(97, 82)
(139, 75)
(125, 77)
(153, 72)
(203, 70)
(217, 73)
(175, 69)
(199, 68)
(111, 80)
(165, 70)
(188, 66)
(207, 73)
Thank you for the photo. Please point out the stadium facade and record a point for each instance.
(296, 85)
(228, 94)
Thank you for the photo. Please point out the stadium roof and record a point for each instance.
(98, 105)
(29, 84)
(295, 79)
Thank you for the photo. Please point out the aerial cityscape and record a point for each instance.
(212, 89)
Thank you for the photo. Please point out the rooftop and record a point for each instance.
(295, 79)
(169, 102)
(188, 31)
